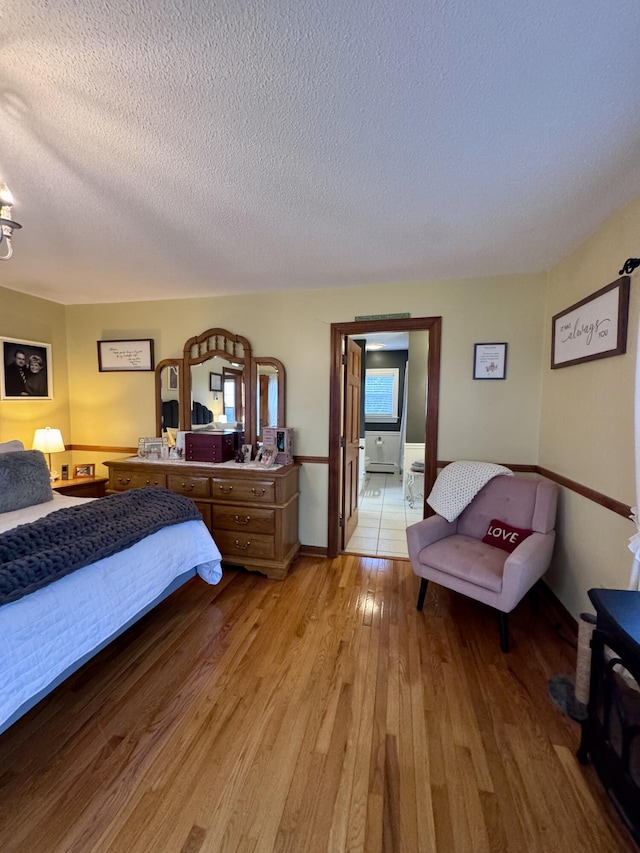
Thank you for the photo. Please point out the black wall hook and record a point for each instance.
(629, 266)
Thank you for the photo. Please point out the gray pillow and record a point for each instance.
(24, 480)
(11, 446)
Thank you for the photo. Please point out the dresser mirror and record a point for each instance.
(220, 385)
(217, 382)
(269, 382)
(217, 394)
(168, 393)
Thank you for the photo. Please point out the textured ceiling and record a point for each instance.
(167, 148)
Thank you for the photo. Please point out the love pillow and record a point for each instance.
(503, 535)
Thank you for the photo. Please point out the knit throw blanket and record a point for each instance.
(458, 484)
(34, 555)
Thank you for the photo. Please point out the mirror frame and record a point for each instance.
(224, 344)
(279, 366)
(167, 362)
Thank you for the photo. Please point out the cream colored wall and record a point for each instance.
(495, 420)
(586, 423)
(27, 318)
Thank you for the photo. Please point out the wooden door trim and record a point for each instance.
(433, 325)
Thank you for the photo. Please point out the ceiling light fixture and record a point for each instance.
(375, 345)
(6, 202)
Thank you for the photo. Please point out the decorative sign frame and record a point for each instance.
(490, 361)
(595, 327)
(125, 355)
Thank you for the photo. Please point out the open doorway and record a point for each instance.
(344, 423)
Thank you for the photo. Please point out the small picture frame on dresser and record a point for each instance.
(267, 455)
(247, 452)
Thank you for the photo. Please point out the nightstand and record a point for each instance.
(82, 487)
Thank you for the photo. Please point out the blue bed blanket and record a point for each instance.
(34, 555)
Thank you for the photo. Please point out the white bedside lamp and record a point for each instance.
(49, 441)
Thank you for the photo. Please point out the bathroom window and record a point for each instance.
(381, 394)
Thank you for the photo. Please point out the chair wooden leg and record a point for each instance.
(423, 591)
(504, 631)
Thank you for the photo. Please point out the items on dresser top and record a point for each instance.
(219, 446)
(251, 512)
(282, 439)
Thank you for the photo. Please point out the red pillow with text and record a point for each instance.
(503, 535)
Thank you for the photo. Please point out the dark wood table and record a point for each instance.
(82, 487)
(611, 732)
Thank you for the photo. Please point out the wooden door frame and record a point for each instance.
(433, 325)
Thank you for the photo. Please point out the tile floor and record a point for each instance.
(383, 517)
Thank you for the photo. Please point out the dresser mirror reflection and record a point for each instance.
(168, 394)
(269, 382)
(219, 385)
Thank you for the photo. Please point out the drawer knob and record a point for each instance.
(124, 480)
(243, 547)
(258, 492)
(188, 486)
(152, 483)
(244, 520)
(226, 489)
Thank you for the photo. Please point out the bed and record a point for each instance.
(49, 633)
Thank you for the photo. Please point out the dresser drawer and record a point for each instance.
(237, 547)
(263, 491)
(245, 520)
(192, 487)
(129, 479)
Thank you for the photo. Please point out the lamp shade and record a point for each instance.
(48, 440)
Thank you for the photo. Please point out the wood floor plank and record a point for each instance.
(320, 713)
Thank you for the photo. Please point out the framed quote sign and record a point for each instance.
(490, 361)
(125, 355)
(595, 327)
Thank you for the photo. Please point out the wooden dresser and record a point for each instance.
(252, 513)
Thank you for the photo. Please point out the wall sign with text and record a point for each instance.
(125, 355)
(490, 361)
(595, 327)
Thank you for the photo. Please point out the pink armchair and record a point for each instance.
(453, 554)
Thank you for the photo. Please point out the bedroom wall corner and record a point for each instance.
(29, 318)
(587, 421)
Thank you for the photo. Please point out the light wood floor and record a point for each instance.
(319, 713)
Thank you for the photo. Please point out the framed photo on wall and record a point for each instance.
(215, 382)
(26, 370)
